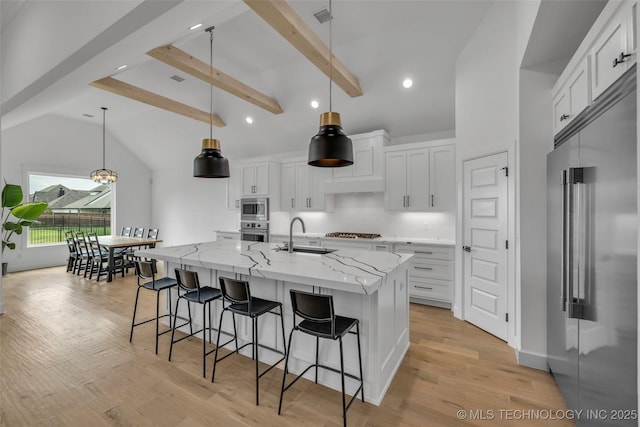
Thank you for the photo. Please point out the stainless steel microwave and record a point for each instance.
(254, 209)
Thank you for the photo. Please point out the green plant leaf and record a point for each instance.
(10, 226)
(10, 245)
(29, 211)
(11, 195)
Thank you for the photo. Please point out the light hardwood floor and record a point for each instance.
(66, 360)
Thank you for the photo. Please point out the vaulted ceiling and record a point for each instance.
(52, 51)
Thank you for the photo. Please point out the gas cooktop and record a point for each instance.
(346, 235)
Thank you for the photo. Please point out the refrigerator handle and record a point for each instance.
(574, 308)
(564, 249)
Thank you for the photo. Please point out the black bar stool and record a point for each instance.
(320, 321)
(189, 284)
(147, 280)
(238, 295)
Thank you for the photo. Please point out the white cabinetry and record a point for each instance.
(227, 235)
(261, 179)
(420, 179)
(309, 184)
(606, 53)
(430, 273)
(367, 172)
(234, 188)
(255, 179)
(303, 187)
(613, 51)
(573, 97)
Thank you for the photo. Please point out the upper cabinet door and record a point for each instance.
(262, 179)
(608, 54)
(233, 188)
(395, 195)
(248, 180)
(442, 178)
(288, 187)
(418, 180)
(303, 183)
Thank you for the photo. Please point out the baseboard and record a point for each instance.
(532, 360)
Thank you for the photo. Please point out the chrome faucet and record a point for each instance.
(304, 230)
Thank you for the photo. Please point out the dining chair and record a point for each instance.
(84, 254)
(100, 257)
(138, 232)
(126, 232)
(313, 314)
(73, 254)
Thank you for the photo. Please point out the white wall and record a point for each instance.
(536, 140)
(489, 95)
(486, 105)
(53, 144)
(365, 213)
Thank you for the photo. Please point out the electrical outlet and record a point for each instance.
(426, 226)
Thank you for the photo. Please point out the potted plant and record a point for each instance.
(16, 215)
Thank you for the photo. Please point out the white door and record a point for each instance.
(485, 201)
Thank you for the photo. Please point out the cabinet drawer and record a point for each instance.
(431, 269)
(427, 252)
(432, 289)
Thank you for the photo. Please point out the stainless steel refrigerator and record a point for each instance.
(592, 226)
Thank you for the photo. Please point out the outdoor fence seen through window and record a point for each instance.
(75, 204)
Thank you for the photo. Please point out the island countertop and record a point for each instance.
(352, 270)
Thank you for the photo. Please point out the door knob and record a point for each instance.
(466, 248)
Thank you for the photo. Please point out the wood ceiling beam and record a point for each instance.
(133, 92)
(279, 15)
(181, 60)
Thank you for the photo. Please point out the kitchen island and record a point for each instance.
(367, 285)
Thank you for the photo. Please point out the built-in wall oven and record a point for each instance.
(254, 231)
(254, 209)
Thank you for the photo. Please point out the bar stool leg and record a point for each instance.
(344, 403)
(175, 322)
(135, 307)
(286, 370)
(204, 340)
(317, 351)
(157, 317)
(215, 357)
(255, 352)
(360, 360)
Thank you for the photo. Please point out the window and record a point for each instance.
(75, 204)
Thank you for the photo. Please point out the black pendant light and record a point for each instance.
(210, 163)
(103, 176)
(330, 147)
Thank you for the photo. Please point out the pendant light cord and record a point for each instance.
(104, 111)
(330, 53)
(210, 30)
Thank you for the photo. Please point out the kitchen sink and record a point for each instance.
(308, 249)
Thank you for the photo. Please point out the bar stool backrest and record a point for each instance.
(138, 232)
(235, 291)
(314, 307)
(126, 232)
(188, 281)
(144, 270)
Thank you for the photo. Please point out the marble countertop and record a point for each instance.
(352, 270)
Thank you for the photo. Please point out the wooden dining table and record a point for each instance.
(120, 242)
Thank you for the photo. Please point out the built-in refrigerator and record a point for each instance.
(592, 260)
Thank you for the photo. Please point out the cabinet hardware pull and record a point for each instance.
(404, 201)
(620, 59)
(424, 287)
(408, 200)
(422, 252)
(432, 200)
(293, 205)
(564, 117)
(423, 268)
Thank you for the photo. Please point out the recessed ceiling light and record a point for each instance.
(407, 83)
(314, 104)
(249, 119)
(122, 67)
(196, 26)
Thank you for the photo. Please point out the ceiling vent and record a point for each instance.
(322, 15)
(88, 115)
(177, 78)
